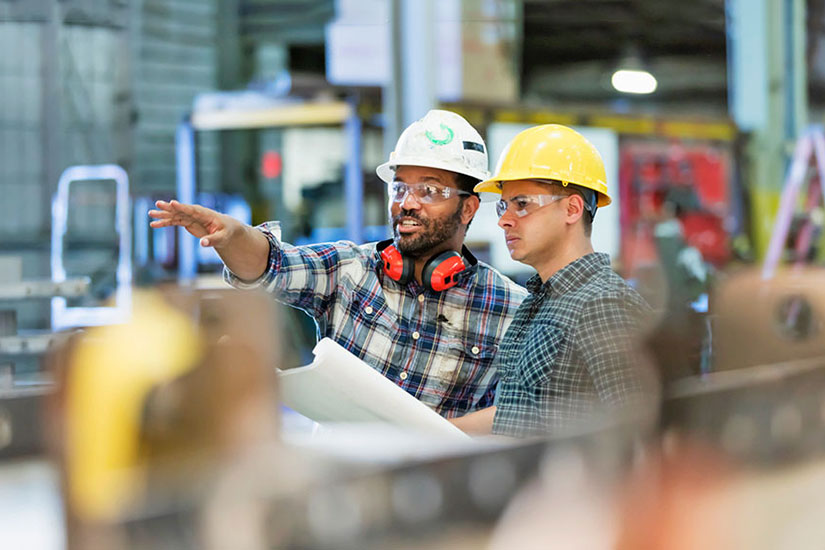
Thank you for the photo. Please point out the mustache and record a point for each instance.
(409, 214)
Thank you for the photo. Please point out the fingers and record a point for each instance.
(164, 218)
(165, 205)
(160, 214)
(202, 215)
(166, 212)
(178, 213)
(174, 206)
(197, 220)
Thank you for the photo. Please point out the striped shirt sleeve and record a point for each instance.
(305, 277)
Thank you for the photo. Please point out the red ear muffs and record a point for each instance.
(441, 271)
(396, 266)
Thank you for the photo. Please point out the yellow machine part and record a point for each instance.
(111, 373)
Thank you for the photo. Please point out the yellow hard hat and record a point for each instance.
(113, 370)
(551, 152)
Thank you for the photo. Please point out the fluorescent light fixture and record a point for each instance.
(633, 81)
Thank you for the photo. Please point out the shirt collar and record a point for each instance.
(572, 276)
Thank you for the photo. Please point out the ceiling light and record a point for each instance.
(631, 75)
(631, 81)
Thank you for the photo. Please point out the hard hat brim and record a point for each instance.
(488, 186)
(386, 171)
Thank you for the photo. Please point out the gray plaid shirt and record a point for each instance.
(568, 353)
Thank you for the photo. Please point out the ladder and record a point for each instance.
(811, 144)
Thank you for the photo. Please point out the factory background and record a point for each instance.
(282, 109)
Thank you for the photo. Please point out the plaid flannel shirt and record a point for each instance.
(438, 346)
(568, 353)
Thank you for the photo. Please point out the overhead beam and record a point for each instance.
(305, 114)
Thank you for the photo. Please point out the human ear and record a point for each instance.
(469, 209)
(575, 208)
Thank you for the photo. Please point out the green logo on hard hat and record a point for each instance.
(448, 137)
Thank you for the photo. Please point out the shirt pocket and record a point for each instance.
(466, 360)
(542, 351)
(369, 323)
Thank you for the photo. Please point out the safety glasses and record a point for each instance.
(425, 193)
(523, 205)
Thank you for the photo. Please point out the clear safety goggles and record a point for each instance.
(425, 193)
(523, 205)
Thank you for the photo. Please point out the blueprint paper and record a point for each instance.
(339, 387)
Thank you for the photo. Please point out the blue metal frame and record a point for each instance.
(186, 184)
(64, 316)
(353, 178)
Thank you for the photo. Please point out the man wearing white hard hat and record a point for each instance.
(419, 307)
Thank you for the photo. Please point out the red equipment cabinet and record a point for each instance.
(693, 178)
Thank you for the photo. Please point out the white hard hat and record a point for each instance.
(441, 139)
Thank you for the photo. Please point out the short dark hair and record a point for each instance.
(466, 183)
(572, 189)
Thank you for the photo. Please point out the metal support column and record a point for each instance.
(51, 119)
(767, 96)
(419, 69)
(232, 74)
(186, 184)
(393, 119)
(353, 179)
(796, 75)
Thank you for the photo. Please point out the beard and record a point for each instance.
(434, 232)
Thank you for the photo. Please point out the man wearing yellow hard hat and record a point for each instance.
(567, 356)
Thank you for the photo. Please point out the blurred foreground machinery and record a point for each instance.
(23, 386)
(166, 431)
(740, 458)
(156, 413)
(765, 400)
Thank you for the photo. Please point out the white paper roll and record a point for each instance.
(339, 387)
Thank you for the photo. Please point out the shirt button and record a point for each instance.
(403, 375)
(415, 335)
(368, 310)
(475, 350)
(420, 297)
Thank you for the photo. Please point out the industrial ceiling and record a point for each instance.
(570, 47)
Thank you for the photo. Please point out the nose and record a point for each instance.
(507, 219)
(409, 201)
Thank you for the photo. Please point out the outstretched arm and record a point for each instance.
(243, 249)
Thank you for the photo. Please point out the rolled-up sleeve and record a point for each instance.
(305, 277)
